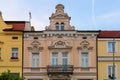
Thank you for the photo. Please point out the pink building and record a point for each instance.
(60, 52)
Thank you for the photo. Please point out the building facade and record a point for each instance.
(11, 48)
(60, 52)
(109, 55)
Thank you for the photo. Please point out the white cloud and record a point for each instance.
(110, 15)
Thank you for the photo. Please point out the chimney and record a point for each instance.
(32, 28)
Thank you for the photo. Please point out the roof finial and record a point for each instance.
(59, 8)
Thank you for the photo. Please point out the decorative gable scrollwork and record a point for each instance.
(85, 46)
(35, 47)
(60, 45)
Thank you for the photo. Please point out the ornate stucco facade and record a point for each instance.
(60, 52)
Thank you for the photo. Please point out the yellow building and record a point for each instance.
(109, 55)
(11, 45)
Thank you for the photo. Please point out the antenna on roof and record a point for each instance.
(30, 17)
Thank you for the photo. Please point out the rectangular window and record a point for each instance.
(110, 71)
(84, 59)
(35, 37)
(57, 27)
(111, 47)
(14, 53)
(62, 27)
(64, 58)
(35, 60)
(14, 74)
(54, 58)
(14, 37)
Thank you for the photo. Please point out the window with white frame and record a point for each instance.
(111, 47)
(35, 59)
(64, 58)
(54, 58)
(110, 71)
(14, 53)
(84, 57)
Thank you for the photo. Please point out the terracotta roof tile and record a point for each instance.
(109, 34)
(17, 25)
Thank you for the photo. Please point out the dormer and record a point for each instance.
(60, 20)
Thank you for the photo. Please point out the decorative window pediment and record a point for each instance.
(60, 44)
(34, 43)
(84, 46)
(36, 47)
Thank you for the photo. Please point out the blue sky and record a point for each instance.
(85, 14)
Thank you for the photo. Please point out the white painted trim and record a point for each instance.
(34, 77)
(108, 58)
(85, 77)
(115, 70)
(79, 58)
(115, 47)
(105, 39)
(89, 59)
(40, 60)
(30, 59)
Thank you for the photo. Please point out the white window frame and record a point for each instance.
(112, 70)
(14, 53)
(37, 61)
(85, 58)
(111, 46)
(65, 57)
(54, 57)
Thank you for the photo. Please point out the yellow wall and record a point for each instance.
(6, 45)
(102, 48)
(102, 65)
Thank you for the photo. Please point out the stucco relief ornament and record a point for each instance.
(60, 44)
(36, 47)
(85, 46)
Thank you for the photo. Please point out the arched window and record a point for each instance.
(62, 26)
(57, 26)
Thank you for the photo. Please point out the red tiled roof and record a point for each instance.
(109, 34)
(17, 25)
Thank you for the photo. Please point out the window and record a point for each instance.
(84, 59)
(14, 74)
(111, 46)
(57, 26)
(110, 71)
(54, 58)
(0, 53)
(35, 60)
(64, 58)
(14, 37)
(35, 37)
(84, 37)
(14, 53)
(62, 26)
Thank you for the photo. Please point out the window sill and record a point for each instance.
(14, 59)
(35, 67)
(111, 52)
